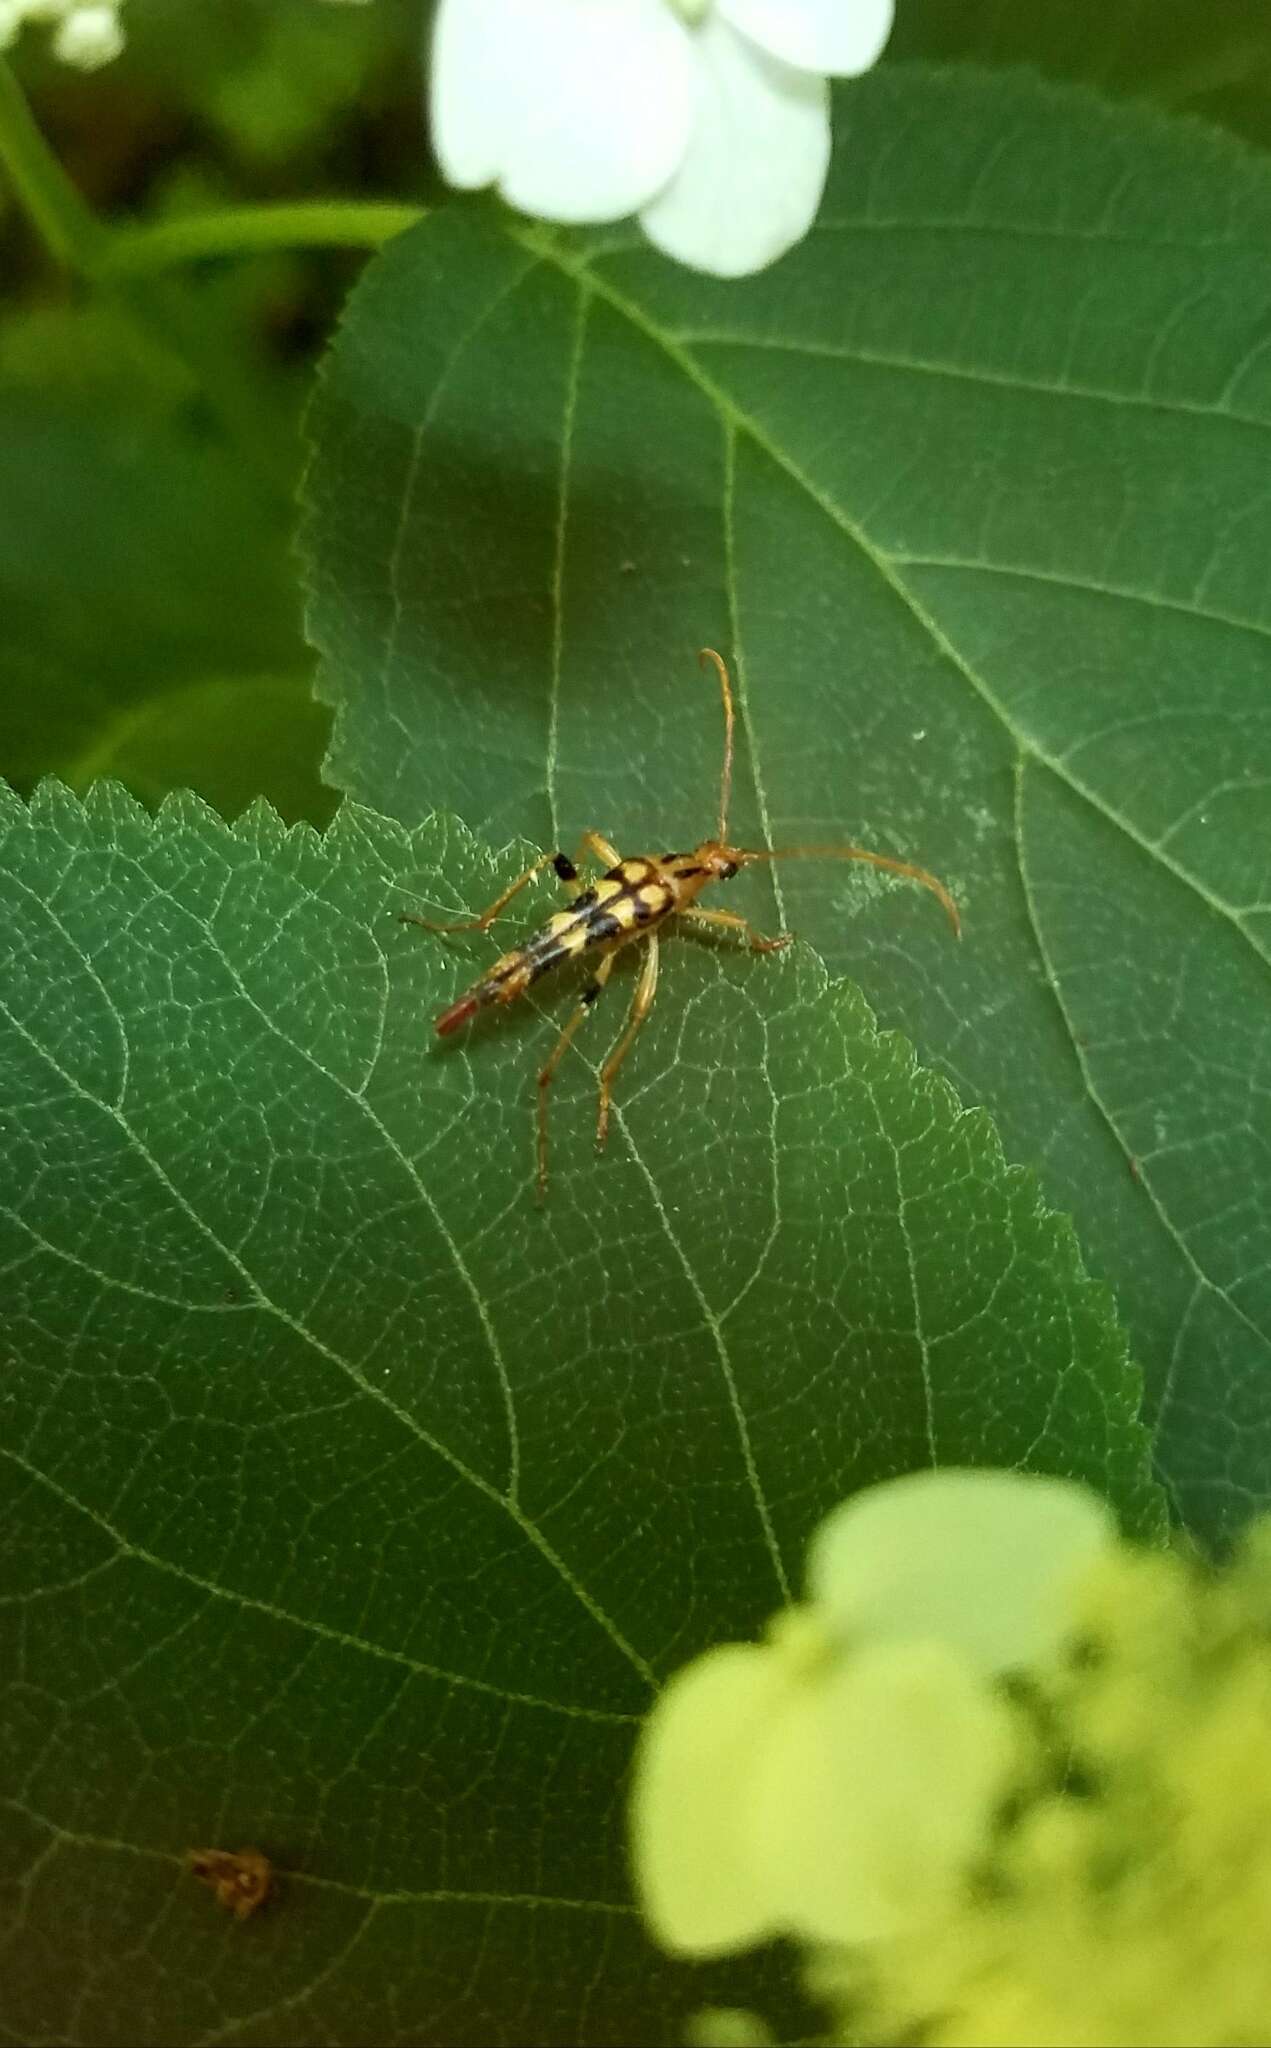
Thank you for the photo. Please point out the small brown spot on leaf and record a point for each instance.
(240, 1879)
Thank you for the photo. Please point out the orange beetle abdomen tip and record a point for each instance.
(457, 1014)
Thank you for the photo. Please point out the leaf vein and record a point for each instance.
(963, 374)
(306, 1624)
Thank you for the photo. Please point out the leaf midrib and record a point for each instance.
(307, 1624)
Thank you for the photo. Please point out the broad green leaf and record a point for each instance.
(973, 487)
(355, 1505)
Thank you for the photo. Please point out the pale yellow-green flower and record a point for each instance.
(1118, 1897)
(1129, 1902)
(836, 1782)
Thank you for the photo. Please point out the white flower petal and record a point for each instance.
(468, 85)
(579, 109)
(694, 1762)
(873, 1792)
(840, 37)
(980, 1560)
(751, 181)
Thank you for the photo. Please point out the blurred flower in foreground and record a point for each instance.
(85, 35)
(1020, 1793)
(837, 1782)
(708, 118)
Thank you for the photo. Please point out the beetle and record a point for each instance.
(628, 905)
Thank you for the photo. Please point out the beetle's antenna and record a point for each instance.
(708, 654)
(876, 860)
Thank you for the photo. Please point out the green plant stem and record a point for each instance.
(74, 236)
(68, 228)
(247, 230)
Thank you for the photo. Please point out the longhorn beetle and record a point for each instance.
(627, 906)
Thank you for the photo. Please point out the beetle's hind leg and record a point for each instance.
(557, 1054)
(488, 915)
(641, 1004)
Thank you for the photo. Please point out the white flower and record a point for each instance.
(836, 1782)
(708, 118)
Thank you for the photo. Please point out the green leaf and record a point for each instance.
(155, 632)
(354, 1504)
(973, 486)
(1213, 60)
(230, 738)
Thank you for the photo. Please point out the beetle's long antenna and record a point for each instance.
(726, 779)
(876, 860)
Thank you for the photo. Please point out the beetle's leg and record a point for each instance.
(567, 870)
(557, 1054)
(601, 848)
(488, 915)
(757, 942)
(641, 1004)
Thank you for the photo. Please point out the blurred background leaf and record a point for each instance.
(1213, 60)
(147, 473)
(137, 561)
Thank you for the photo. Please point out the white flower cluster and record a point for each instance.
(837, 1782)
(710, 119)
(86, 33)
